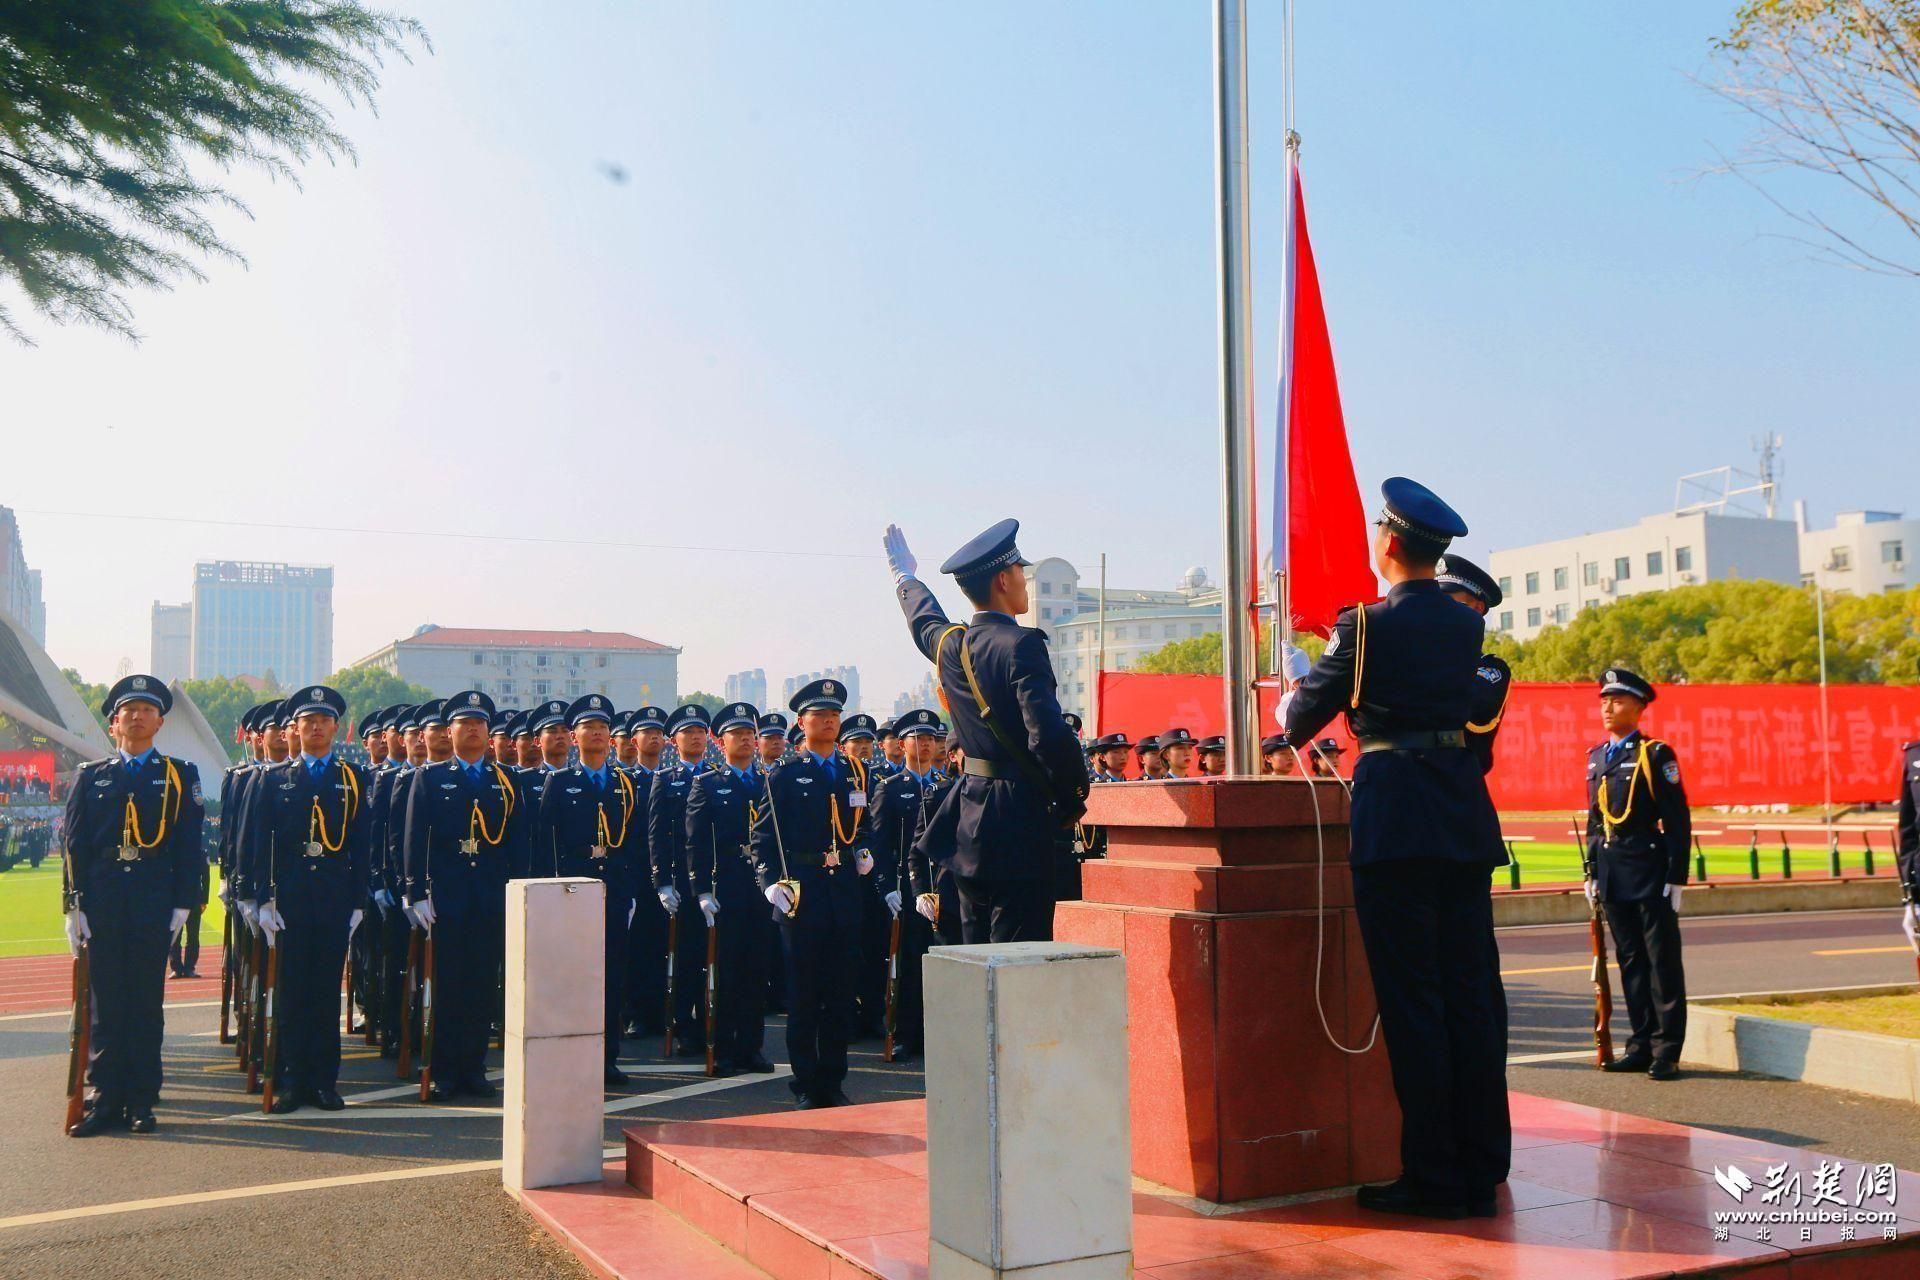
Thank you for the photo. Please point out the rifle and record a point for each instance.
(1597, 940)
(349, 977)
(226, 977)
(251, 1057)
(406, 1004)
(673, 946)
(713, 998)
(272, 1036)
(893, 987)
(79, 1036)
(426, 1017)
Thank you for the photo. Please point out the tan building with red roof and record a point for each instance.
(520, 668)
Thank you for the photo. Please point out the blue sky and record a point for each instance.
(933, 264)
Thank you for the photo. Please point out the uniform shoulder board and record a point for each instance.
(1908, 746)
(101, 763)
(1491, 674)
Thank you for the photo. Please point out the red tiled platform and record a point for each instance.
(842, 1195)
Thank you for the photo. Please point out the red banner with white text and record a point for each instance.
(1738, 743)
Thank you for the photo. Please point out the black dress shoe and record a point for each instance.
(438, 1092)
(329, 1100)
(140, 1120)
(685, 1050)
(1663, 1070)
(723, 1070)
(98, 1120)
(1403, 1197)
(615, 1076)
(285, 1104)
(837, 1098)
(906, 1053)
(1635, 1062)
(390, 1051)
(806, 1102)
(188, 974)
(1482, 1204)
(478, 1087)
(757, 1064)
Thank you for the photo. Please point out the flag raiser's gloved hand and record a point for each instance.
(670, 899)
(899, 559)
(1909, 925)
(179, 921)
(709, 907)
(1294, 664)
(78, 931)
(782, 901)
(928, 905)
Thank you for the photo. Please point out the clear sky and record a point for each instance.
(933, 264)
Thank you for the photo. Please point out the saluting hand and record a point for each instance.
(899, 559)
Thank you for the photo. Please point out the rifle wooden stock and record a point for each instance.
(713, 991)
(893, 988)
(79, 1036)
(272, 1052)
(412, 991)
(347, 980)
(426, 1017)
(673, 946)
(226, 977)
(256, 992)
(1597, 943)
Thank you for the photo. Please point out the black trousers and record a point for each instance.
(994, 910)
(127, 986)
(909, 1018)
(823, 954)
(870, 988)
(645, 965)
(364, 948)
(1427, 924)
(617, 949)
(740, 981)
(466, 962)
(1646, 941)
(313, 950)
(395, 932)
(689, 975)
(185, 953)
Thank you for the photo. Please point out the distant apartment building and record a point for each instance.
(1137, 621)
(252, 618)
(1863, 554)
(20, 592)
(848, 676)
(171, 655)
(916, 698)
(749, 686)
(520, 668)
(1547, 583)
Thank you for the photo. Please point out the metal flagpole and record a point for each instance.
(1100, 655)
(1239, 649)
(1826, 745)
(1283, 514)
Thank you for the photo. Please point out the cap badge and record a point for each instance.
(827, 687)
(139, 682)
(473, 699)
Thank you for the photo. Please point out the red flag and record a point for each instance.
(1318, 516)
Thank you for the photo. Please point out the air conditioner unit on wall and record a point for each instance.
(1606, 586)
(1686, 575)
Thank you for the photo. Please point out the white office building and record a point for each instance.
(1547, 583)
(519, 668)
(1137, 622)
(1863, 554)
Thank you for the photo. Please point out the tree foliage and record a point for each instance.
(118, 119)
(368, 689)
(1201, 655)
(711, 701)
(90, 694)
(223, 700)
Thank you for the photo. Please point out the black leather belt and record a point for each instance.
(981, 768)
(1417, 740)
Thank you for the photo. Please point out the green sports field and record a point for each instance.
(30, 923)
(1547, 863)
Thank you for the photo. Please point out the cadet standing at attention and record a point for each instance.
(646, 976)
(1424, 838)
(132, 834)
(666, 821)
(1639, 837)
(897, 808)
(722, 806)
(1024, 780)
(1906, 853)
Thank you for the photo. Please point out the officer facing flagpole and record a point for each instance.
(1024, 780)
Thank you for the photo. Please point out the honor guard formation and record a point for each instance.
(804, 862)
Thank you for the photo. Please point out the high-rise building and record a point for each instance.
(748, 686)
(20, 586)
(921, 695)
(520, 668)
(258, 619)
(1137, 622)
(848, 676)
(171, 657)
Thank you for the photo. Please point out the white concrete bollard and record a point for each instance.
(556, 1032)
(1028, 1158)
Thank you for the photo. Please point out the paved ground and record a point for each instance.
(416, 1192)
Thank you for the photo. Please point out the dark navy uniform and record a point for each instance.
(1424, 839)
(1639, 841)
(308, 824)
(458, 830)
(934, 879)
(132, 834)
(1467, 581)
(1907, 855)
(722, 806)
(646, 978)
(667, 863)
(1024, 780)
(809, 841)
(591, 823)
(898, 808)
(386, 822)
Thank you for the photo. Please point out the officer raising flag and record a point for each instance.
(1025, 779)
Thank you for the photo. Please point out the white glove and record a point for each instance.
(893, 902)
(709, 907)
(383, 899)
(899, 560)
(670, 899)
(1280, 710)
(1294, 663)
(179, 921)
(1909, 925)
(863, 861)
(270, 922)
(250, 912)
(1673, 896)
(78, 931)
(423, 913)
(928, 905)
(1593, 893)
(781, 900)
(353, 921)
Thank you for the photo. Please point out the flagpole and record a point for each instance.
(1100, 654)
(1239, 651)
(1283, 425)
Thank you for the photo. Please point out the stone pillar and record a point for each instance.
(1027, 1113)
(1210, 889)
(556, 1032)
